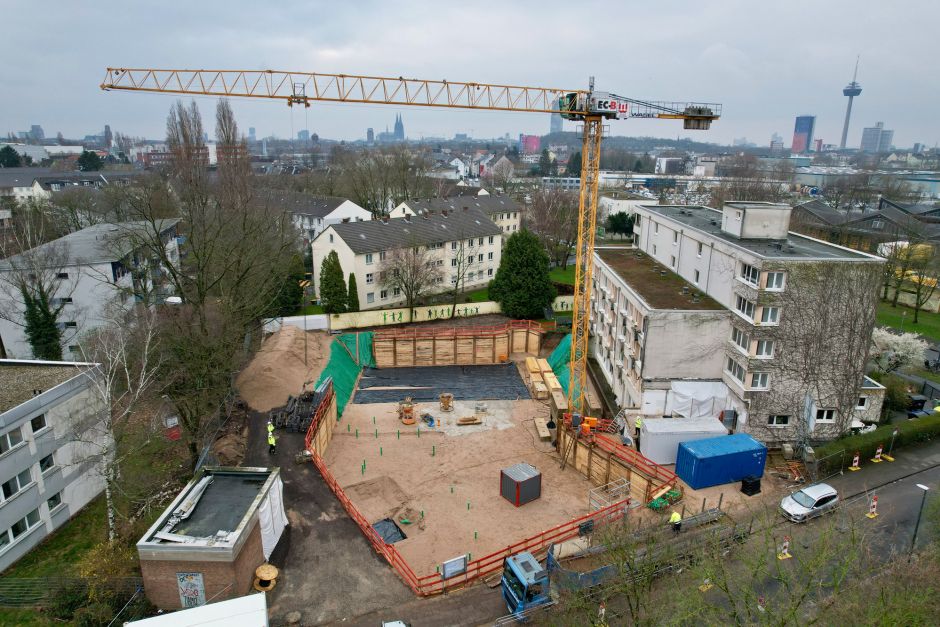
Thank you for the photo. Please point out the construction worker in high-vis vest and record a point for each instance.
(271, 443)
(638, 424)
(676, 521)
(270, 427)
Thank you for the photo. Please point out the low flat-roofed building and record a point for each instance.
(52, 445)
(209, 541)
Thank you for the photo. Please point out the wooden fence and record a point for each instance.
(602, 459)
(455, 346)
(433, 584)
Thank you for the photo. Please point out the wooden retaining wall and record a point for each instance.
(455, 346)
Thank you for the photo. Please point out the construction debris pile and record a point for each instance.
(297, 414)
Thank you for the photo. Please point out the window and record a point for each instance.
(439, 262)
(654, 249)
(368, 258)
(672, 261)
(770, 315)
(470, 243)
(453, 245)
(54, 501)
(382, 256)
(383, 294)
(23, 525)
(750, 274)
(862, 402)
(480, 241)
(46, 463)
(765, 348)
(491, 240)
(735, 370)
(369, 278)
(696, 277)
(71, 324)
(396, 291)
(775, 281)
(745, 307)
(471, 276)
(490, 257)
(489, 272)
(62, 275)
(370, 297)
(10, 439)
(453, 262)
(759, 380)
(470, 259)
(700, 247)
(825, 415)
(38, 423)
(778, 420)
(740, 339)
(877, 224)
(737, 215)
(16, 484)
(514, 227)
(480, 257)
(331, 238)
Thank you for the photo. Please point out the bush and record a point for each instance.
(910, 432)
(94, 615)
(896, 392)
(68, 598)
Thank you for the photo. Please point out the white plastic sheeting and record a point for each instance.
(697, 399)
(312, 322)
(272, 517)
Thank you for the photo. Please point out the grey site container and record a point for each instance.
(520, 483)
(660, 437)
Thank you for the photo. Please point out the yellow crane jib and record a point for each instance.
(585, 105)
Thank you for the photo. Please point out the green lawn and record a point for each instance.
(58, 554)
(902, 318)
(478, 296)
(563, 276)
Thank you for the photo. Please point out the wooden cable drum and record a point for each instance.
(447, 401)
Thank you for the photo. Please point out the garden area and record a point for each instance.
(901, 318)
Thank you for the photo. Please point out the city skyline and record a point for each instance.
(724, 55)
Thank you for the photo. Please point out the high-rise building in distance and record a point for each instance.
(557, 125)
(303, 135)
(370, 136)
(876, 138)
(399, 134)
(803, 133)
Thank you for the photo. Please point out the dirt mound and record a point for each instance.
(277, 370)
(229, 449)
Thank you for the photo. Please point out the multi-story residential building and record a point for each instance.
(876, 138)
(49, 412)
(505, 212)
(311, 214)
(464, 244)
(798, 314)
(87, 271)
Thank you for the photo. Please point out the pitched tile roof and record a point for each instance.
(299, 202)
(488, 204)
(376, 235)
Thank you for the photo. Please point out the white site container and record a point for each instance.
(660, 437)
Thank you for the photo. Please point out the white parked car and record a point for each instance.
(811, 501)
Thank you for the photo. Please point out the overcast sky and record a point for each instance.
(766, 62)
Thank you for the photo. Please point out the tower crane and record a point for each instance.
(588, 106)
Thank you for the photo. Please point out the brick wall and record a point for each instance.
(160, 576)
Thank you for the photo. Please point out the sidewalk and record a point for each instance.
(907, 461)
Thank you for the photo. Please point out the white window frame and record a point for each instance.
(696, 277)
(45, 423)
(780, 284)
(370, 278)
(825, 411)
(49, 468)
(765, 317)
(383, 294)
(749, 275)
(778, 421)
(453, 262)
(733, 368)
(675, 238)
(382, 256)
(368, 259)
(862, 403)
(740, 340)
(370, 297)
(749, 307)
(701, 247)
(5, 438)
(654, 250)
(765, 354)
(20, 485)
(759, 381)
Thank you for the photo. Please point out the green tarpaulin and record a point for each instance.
(343, 367)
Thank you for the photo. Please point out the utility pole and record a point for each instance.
(919, 516)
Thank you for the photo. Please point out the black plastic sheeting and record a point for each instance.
(499, 382)
(389, 531)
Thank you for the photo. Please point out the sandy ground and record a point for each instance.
(277, 370)
(444, 469)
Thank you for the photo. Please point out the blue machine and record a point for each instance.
(526, 584)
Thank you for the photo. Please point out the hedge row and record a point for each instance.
(909, 432)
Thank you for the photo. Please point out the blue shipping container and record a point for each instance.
(725, 459)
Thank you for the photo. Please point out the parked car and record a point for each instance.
(811, 501)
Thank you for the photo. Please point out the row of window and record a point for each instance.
(764, 348)
(14, 436)
(18, 483)
(747, 308)
(18, 528)
(751, 275)
(826, 415)
(755, 380)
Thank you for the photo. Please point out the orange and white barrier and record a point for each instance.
(877, 458)
(873, 507)
(784, 553)
(855, 465)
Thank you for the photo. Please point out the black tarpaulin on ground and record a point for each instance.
(493, 382)
(389, 531)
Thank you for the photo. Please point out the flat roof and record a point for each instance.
(250, 610)
(643, 274)
(19, 379)
(796, 246)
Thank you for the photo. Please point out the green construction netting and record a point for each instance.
(560, 361)
(343, 368)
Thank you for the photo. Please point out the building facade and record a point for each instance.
(876, 138)
(794, 329)
(89, 270)
(505, 212)
(803, 133)
(48, 472)
(463, 246)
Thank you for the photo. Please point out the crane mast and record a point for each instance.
(587, 106)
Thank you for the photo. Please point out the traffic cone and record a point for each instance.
(784, 553)
(877, 458)
(855, 465)
(873, 507)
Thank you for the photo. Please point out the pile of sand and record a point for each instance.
(277, 370)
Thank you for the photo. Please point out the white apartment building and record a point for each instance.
(787, 347)
(505, 212)
(47, 472)
(93, 268)
(465, 241)
(311, 214)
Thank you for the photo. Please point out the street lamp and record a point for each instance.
(919, 515)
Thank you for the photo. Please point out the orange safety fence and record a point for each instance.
(512, 325)
(430, 585)
(636, 459)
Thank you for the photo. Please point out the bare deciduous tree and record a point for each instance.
(553, 217)
(413, 271)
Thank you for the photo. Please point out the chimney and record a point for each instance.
(385, 219)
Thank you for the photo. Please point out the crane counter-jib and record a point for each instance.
(588, 106)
